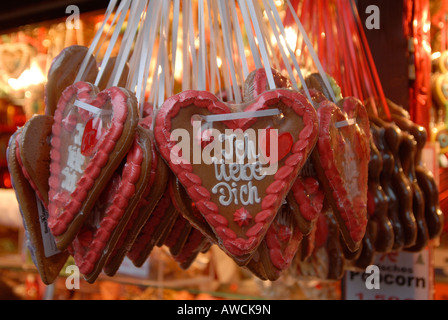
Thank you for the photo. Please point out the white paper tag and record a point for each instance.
(47, 237)
(128, 268)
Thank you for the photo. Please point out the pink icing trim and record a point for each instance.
(307, 194)
(144, 201)
(198, 194)
(354, 217)
(60, 217)
(147, 232)
(87, 256)
(282, 258)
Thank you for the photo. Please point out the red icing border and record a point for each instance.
(146, 233)
(281, 259)
(201, 197)
(355, 220)
(86, 256)
(309, 196)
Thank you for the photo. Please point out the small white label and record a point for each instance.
(47, 238)
(128, 268)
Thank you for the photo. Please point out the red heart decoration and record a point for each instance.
(76, 180)
(341, 161)
(283, 142)
(218, 203)
(90, 137)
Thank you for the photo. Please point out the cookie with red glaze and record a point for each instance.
(154, 231)
(100, 234)
(30, 195)
(239, 239)
(91, 134)
(341, 161)
(327, 261)
(154, 190)
(279, 247)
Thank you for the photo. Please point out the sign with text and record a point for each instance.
(400, 276)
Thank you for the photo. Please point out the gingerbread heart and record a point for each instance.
(154, 231)
(327, 260)
(63, 71)
(280, 245)
(148, 202)
(341, 161)
(34, 148)
(238, 200)
(306, 199)
(77, 179)
(101, 233)
(189, 211)
(48, 260)
(257, 83)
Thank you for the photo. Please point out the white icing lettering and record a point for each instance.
(239, 147)
(75, 161)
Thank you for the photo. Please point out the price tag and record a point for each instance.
(48, 241)
(395, 276)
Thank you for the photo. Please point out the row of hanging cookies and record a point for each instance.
(402, 201)
(96, 181)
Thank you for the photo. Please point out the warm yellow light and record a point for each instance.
(30, 77)
(436, 55)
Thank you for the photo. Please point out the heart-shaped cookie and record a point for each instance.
(154, 231)
(327, 260)
(34, 150)
(306, 199)
(238, 200)
(150, 198)
(15, 58)
(280, 245)
(63, 71)
(257, 83)
(341, 162)
(77, 179)
(48, 260)
(101, 233)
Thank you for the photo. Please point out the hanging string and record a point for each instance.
(312, 53)
(109, 10)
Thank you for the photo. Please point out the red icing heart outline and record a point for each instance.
(90, 137)
(89, 245)
(60, 218)
(232, 244)
(351, 214)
